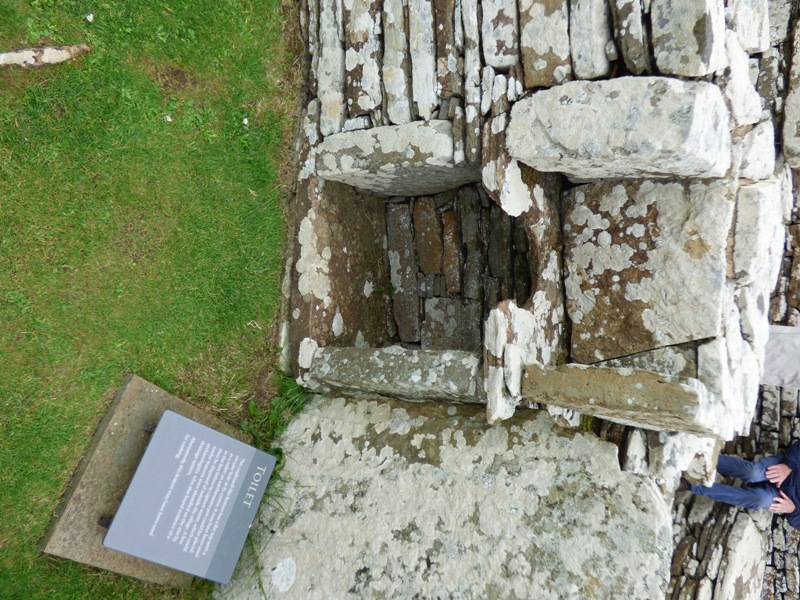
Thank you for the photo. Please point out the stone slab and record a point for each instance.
(676, 361)
(750, 20)
(544, 42)
(362, 34)
(791, 123)
(338, 297)
(422, 47)
(628, 396)
(404, 500)
(416, 375)
(403, 271)
(330, 67)
(630, 33)
(396, 70)
(646, 264)
(472, 80)
(688, 36)
(598, 129)
(102, 478)
(428, 235)
(500, 33)
(415, 159)
(590, 36)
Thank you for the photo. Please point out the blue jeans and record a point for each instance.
(758, 495)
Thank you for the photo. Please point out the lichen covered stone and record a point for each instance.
(624, 127)
(405, 500)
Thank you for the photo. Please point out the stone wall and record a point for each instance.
(452, 258)
(670, 237)
(644, 151)
(707, 546)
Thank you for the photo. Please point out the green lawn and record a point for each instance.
(141, 229)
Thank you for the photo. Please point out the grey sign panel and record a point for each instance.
(192, 499)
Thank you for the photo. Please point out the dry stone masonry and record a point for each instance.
(569, 210)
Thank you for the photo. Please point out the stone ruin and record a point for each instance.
(559, 229)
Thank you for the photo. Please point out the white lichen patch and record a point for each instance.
(306, 352)
(338, 324)
(312, 266)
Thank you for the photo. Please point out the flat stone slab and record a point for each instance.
(398, 372)
(414, 159)
(646, 264)
(399, 500)
(628, 396)
(625, 127)
(103, 476)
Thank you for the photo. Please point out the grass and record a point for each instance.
(265, 425)
(141, 229)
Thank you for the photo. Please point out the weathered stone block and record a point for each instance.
(396, 63)
(544, 42)
(472, 80)
(468, 209)
(447, 71)
(688, 36)
(598, 129)
(789, 397)
(499, 33)
(499, 250)
(451, 324)
(423, 57)
(590, 34)
(646, 265)
(780, 19)
(675, 361)
(627, 396)
(672, 454)
(737, 86)
(362, 49)
(758, 152)
(750, 20)
(428, 236)
(500, 173)
(631, 35)
(514, 338)
(791, 108)
(415, 159)
(744, 573)
(403, 271)
(451, 253)
(380, 491)
(771, 83)
(758, 243)
(397, 372)
(330, 68)
(458, 117)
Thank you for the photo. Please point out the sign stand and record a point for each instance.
(192, 500)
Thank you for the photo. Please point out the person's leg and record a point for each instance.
(749, 472)
(755, 497)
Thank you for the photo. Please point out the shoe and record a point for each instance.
(683, 486)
